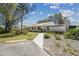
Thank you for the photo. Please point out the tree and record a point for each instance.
(59, 18)
(56, 18)
(12, 13)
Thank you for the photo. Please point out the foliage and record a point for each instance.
(14, 32)
(70, 50)
(69, 44)
(72, 34)
(21, 31)
(67, 35)
(58, 44)
(72, 27)
(13, 37)
(1, 30)
(7, 35)
(57, 37)
(56, 18)
(47, 35)
(12, 13)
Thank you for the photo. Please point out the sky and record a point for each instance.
(43, 10)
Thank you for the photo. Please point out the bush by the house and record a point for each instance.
(19, 31)
(67, 35)
(46, 36)
(57, 37)
(58, 44)
(72, 34)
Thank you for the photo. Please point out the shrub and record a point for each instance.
(67, 35)
(70, 50)
(46, 36)
(58, 44)
(18, 31)
(57, 37)
(69, 44)
(72, 34)
(1, 30)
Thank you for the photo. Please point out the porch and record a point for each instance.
(39, 29)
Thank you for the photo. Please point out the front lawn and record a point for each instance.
(10, 37)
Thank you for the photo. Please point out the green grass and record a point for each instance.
(29, 36)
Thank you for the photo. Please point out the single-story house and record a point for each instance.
(50, 26)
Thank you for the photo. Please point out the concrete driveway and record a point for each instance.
(26, 48)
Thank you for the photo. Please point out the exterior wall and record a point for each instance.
(62, 28)
(59, 29)
(67, 24)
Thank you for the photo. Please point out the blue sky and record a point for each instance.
(43, 10)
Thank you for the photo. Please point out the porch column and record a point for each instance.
(36, 29)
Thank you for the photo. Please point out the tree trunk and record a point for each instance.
(21, 23)
(7, 27)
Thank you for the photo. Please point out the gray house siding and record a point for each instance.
(50, 26)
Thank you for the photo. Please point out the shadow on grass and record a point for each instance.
(8, 35)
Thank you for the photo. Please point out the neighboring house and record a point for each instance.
(50, 26)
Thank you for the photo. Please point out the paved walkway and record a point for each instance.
(39, 40)
(26, 48)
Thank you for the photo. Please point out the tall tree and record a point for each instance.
(12, 13)
(59, 18)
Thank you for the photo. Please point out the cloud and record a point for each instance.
(56, 4)
(67, 13)
(33, 12)
(54, 7)
(31, 4)
(73, 21)
(72, 16)
(50, 14)
(71, 4)
(46, 4)
(41, 12)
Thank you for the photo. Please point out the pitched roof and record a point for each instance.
(44, 24)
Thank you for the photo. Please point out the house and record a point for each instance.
(50, 26)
